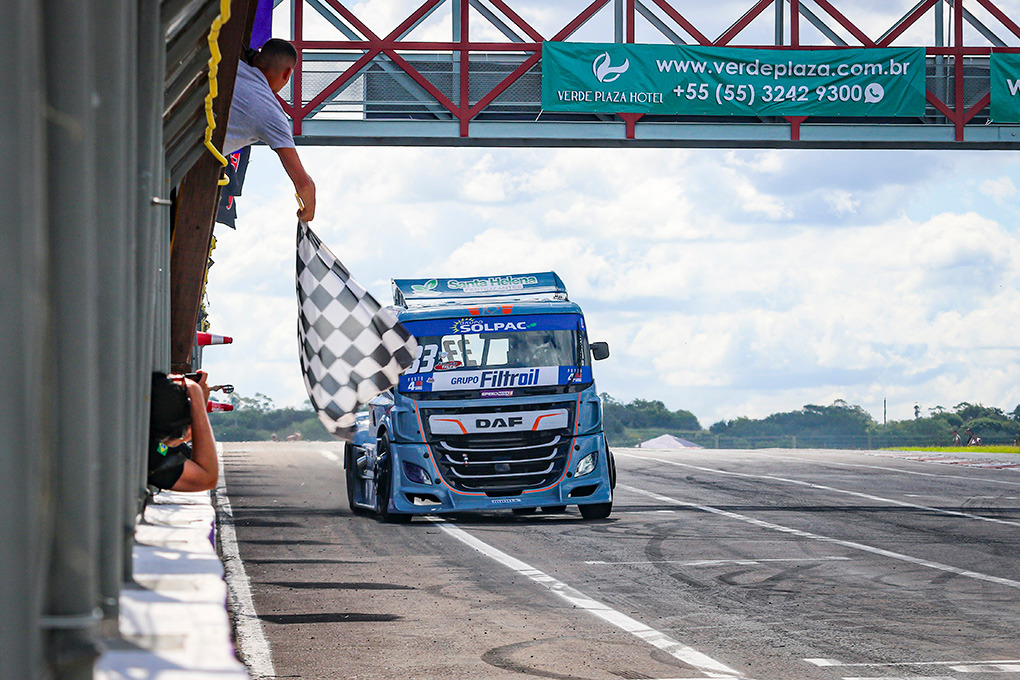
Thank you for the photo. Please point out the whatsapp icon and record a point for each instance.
(873, 93)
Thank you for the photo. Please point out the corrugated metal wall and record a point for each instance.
(90, 146)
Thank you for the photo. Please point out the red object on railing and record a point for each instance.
(218, 406)
(204, 339)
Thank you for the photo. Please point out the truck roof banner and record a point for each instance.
(732, 81)
(1004, 72)
(407, 291)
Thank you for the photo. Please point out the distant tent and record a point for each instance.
(668, 441)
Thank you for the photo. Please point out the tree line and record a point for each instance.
(838, 425)
(258, 419)
(843, 425)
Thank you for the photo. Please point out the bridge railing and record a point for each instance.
(357, 86)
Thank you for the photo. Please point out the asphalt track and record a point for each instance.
(772, 565)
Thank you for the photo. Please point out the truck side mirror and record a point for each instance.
(382, 399)
(600, 350)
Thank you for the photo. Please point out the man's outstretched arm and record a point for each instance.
(202, 471)
(303, 183)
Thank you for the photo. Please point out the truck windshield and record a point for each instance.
(496, 350)
(480, 353)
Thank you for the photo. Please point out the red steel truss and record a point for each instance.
(395, 47)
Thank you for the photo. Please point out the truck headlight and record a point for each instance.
(586, 465)
(416, 473)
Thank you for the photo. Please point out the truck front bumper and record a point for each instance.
(439, 497)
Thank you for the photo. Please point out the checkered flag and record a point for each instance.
(351, 348)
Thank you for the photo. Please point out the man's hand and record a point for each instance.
(303, 183)
(306, 213)
(199, 387)
(202, 384)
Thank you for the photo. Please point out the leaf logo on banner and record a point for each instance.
(604, 70)
(427, 288)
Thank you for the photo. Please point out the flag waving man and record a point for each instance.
(257, 116)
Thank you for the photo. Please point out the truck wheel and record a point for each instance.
(351, 470)
(612, 470)
(554, 509)
(596, 510)
(384, 486)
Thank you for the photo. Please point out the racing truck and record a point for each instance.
(498, 410)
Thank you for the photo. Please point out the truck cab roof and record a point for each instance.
(486, 308)
(436, 298)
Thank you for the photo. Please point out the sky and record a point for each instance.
(727, 283)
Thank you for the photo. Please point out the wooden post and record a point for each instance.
(198, 198)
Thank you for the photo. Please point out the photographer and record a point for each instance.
(178, 416)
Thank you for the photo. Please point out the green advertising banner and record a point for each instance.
(732, 81)
(1004, 71)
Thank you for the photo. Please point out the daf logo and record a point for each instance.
(523, 421)
(604, 71)
(494, 423)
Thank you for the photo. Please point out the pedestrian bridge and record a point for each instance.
(406, 85)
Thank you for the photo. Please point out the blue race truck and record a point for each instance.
(498, 411)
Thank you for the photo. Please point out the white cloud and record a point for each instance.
(842, 202)
(483, 185)
(1000, 188)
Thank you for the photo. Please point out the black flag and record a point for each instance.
(237, 166)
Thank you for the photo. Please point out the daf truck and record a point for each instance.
(499, 410)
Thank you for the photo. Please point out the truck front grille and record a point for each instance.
(502, 464)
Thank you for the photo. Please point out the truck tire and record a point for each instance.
(596, 510)
(612, 470)
(351, 474)
(384, 486)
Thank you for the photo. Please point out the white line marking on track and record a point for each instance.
(253, 645)
(330, 456)
(690, 656)
(995, 498)
(721, 563)
(892, 469)
(834, 662)
(826, 539)
(823, 487)
(904, 677)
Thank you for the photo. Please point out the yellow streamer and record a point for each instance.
(214, 67)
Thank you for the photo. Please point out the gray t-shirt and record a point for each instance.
(255, 114)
